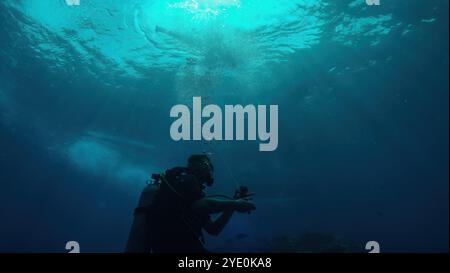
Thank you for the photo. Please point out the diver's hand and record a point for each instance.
(242, 205)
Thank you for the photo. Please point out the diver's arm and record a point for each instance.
(216, 205)
(215, 227)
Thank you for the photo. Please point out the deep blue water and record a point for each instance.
(85, 95)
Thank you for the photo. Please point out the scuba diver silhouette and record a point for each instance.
(173, 210)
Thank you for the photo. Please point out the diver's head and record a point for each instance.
(202, 168)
